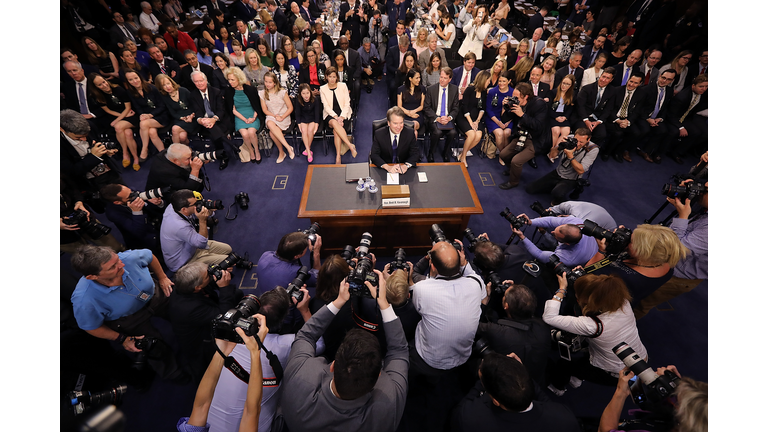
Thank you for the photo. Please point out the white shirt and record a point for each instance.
(84, 82)
(149, 21)
(535, 89)
(439, 106)
(465, 74)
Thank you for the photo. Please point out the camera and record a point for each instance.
(81, 400)
(242, 200)
(91, 228)
(209, 156)
(145, 344)
(365, 244)
(312, 231)
(659, 387)
(616, 242)
(570, 274)
(348, 253)
(538, 208)
(149, 194)
(473, 239)
(437, 235)
(497, 284)
(690, 190)
(231, 260)
(361, 273)
(109, 144)
(522, 135)
(399, 263)
(508, 102)
(567, 342)
(224, 325)
(516, 222)
(570, 143)
(209, 204)
(482, 347)
(294, 288)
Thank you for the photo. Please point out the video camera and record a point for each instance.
(559, 268)
(650, 388)
(294, 288)
(570, 143)
(691, 190)
(516, 222)
(224, 325)
(437, 235)
(616, 242)
(543, 212)
(93, 229)
(232, 260)
(209, 156)
(399, 263)
(312, 231)
(473, 239)
(149, 194)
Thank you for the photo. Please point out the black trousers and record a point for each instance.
(651, 140)
(434, 138)
(582, 369)
(697, 128)
(617, 141)
(553, 183)
(598, 133)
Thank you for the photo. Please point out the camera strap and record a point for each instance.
(363, 324)
(604, 262)
(599, 325)
(233, 366)
(513, 324)
(230, 209)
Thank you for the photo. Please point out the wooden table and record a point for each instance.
(447, 199)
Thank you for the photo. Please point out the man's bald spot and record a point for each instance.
(446, 255)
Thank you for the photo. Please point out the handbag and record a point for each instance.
(245, 154)
(265, 141)
(488, 146)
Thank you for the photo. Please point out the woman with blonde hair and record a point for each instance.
(594, 70)
(277, 107)
(521, 70)
(178, 101)
(254, 70)
(420, 41)
(498, 67)
(243, 101)
(522, 50)
(548, 67)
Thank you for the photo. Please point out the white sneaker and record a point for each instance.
(555, 390)
(575, 382)
(469, 153)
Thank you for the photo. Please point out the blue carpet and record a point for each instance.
(629, 191)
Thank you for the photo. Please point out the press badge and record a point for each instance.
(143, 297)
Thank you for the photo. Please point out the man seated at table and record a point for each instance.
(391, 149)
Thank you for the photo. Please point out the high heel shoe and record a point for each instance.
(142, 159)
(126, 162)
(136, 167)
(353, 149)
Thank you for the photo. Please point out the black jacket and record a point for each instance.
(381, 149)
(585, 102)
(164, 173)
(185, 78)
(528, 338)
(535, 121)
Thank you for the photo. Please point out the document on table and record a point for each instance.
(393, 178)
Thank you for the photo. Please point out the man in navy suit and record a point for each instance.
(161, 65)
(580, 8)
(441, 108)
(572, 68)
(399, 31)
(626, 111)
(540, 89)
(651, 127)
(278, 15)
(247, 38)
(208, 103)
(536, 21)
(185, 78)
(396, 11)
(687, 128)
(648, 68)
(393, 149)
(244, 11)
(627, 68)
(590, 52)
(463, 76)
(593, 105)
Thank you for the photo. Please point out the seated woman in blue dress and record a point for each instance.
(244, 103)
(493, 108)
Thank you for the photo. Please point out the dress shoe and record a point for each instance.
(142, 159)
(644, 155)
(657, 159)
(430, 158)
(253, 160)
(506, 186)
(446, 157)
(532, 163)
(604, 157)
(224, 163)
(258, 161)
(618, 158)
(505, 173)
(677, 159)
(626, 156)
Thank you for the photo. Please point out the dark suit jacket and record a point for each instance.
(563, 72)
(459, 71)
(585, 102)
(528, 338)
(393, 61)
(281, 21)
(75, 167)
(650, 94)
(431, 106)
(544, 90)
(253, 97)
(355, 64)
(185, 78)
(634, 109)
(251, 42)
(69, 89)
(535, 120)
(117, 36)
(170, 65)
(654, 74)
(621, 68)
(534, 22)
(244, 11)
(394, 16)
(136, 230)
(314, 10)
(222, 6)
(215, 99)
(679, 105)
(381, 149)
(587, 55)
(163, 173)
(304, 75)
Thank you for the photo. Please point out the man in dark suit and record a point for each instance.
(700, 68)
(67, 54)
(536, 21)
(76, 98)
(399, 31)
(580, 8)
(441, 107)
(540, 89)
(119, 33)
(651, 127)
(274, 37)
(626, 111)
(278, 15)
(161, 65)
(590, 52)
(305, 12)
(247, 38)
(531, 116)
(465, 75)
(175, 167)
(627, 68)
(218, 5)
(572, 68)
(648, 68)
(393, 60)
(133, 217)
(396, 11)
(208, 103)
(355, 65)
(314, 10)
(185, 78)
(394, 148)
(431, 49)
(593, 105)
(244, 11)
(687, 128)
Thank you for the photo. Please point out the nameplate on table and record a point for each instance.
(395, 202)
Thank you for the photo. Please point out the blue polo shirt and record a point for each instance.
(570, 255)
(94, 303)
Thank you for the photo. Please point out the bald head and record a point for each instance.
(74, 70)
(537, 34)
(634, 57)
(445, 259)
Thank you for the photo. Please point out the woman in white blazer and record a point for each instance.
(475, 32)
(337, 111)
(593, 72)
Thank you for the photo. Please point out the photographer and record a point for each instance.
(71, 235)
(378, 27)
(139, 229)
(278, 268)
(175, 167)
(529, 115)
(572, 248)
(320, 396)
(180, 240)
(690, 409)
(586, 210)
(692, 270)
(505, 398)
(197, 299)
(227, 403)
(116, 299)
(372, 63)
(520, 332)
(574, 162)
(198, 420)
(607, 320)
(332, 273)
(399, 296)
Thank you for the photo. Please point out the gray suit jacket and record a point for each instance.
(307, 394)
(424, 58)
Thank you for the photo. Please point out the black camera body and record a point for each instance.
(224, 325)
(242, 199)
(348, 253)
(543, 212)
(567, 342)
(294, 288)
(232, 260)
(616, 242)
(516, 222)
(93, 229)
(657, 387)
(399, 263)
(146, 343)
(497, 285)
(361, 273)
(473, 239)
(570, 274)
(570, 143)
(510, 101)
(109, 144)
(312, 231)
(691, 190)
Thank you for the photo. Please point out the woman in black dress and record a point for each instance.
(148, 104)
(471, 123)
(178, 101)
(98, 56)
(560, 110)
(116, 103)
(410, 98)
(309, 111)
(344, 72)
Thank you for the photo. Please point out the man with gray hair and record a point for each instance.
(198, 297)
(371, 63)
(208, 103)
(572, 68)
(431, 49)
(146, 18)
(175, 167)
(88, 165)
(76, 98)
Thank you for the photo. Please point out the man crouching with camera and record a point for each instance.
(576, 154)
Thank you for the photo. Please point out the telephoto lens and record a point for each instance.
(365, 244)
(294, 288)
(312, 231)
(516, 222)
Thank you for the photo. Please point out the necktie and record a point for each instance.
(658, 103)
(599, 95)
(394, 150)
(208, 111)
(273, 42)
(626, 75)
(592, 59)
(81, 94)
(703, 71)
(570, 71)
(694, 101)
(215, 5)
(162, 68)
(442, 104)
(624, 106)
(466, 78)
(245, 41)
(647, 77)
(127, 33)
(535, 89)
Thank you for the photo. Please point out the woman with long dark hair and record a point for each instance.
(560, 110)
(148, 104)
(410, 98)
(285, 73)
(116, 103)
(105, 60)
(337, 110)
(129, 63)
(309, 111)
(312, 71)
